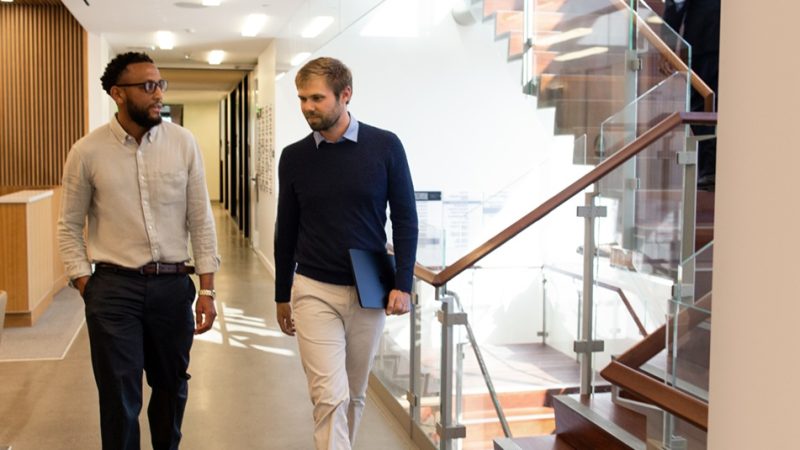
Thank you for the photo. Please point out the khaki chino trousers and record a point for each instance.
(337, 341)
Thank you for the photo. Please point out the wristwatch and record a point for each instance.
(208, 293)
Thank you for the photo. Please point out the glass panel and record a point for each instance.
(430, 372)
(471, 218)
(651, 26)
(690, 327)
(684, 361)
(393, 360)
(645, 196)
(523, 303)
(590, 58)
(689, 332)
(685, 435)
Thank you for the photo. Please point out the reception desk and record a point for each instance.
(27, 255)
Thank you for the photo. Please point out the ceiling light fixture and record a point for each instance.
(299, 58)
(165, 40)
(7, 1)
(253, 24)
(316, 26)
(215, 57)
(581, 54)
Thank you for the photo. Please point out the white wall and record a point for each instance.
(101, 107)
(754, 352)
(202, 119)
(265, 209)
(447, 91)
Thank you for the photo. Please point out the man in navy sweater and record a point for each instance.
(334, 186)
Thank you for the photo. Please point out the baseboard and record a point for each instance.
(400, 414)
(264, 261)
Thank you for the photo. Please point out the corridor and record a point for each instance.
(247, 389)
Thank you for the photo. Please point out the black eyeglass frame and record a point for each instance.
(148, 86)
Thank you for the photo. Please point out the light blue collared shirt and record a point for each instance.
(351, 134)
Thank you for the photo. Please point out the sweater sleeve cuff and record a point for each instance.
(403, 282)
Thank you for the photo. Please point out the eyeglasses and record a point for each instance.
(149, 86)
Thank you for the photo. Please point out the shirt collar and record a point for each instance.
(122, 136)
(351, 134)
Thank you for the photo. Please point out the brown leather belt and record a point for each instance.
(153, 268)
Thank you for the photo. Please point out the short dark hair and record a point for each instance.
(118, 65)
(334, 71)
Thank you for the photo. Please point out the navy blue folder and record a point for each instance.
(374, 275)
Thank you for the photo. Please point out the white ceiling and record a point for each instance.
(131, 25)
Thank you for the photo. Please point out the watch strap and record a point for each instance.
(208, 293)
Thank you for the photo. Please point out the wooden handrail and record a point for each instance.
(604, 168)
(655, 341)
(623, 370)
(662, 395)
(675, 61)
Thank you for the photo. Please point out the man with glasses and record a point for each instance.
(141, 184)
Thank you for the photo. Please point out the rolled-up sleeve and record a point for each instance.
(75, 200)
(200, 220)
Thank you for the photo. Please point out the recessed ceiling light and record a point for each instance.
(215, 57)
(165, 40)
(316, 26)
(253, 24)
(299, 58)
(189, 5)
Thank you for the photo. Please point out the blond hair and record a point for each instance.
(336, 74)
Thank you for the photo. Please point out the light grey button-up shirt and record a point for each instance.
(142, 200)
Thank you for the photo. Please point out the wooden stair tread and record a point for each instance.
(507, 21)
(550, 442)
(596, 422)
(490, 7)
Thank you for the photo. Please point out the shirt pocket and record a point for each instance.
(171, 187)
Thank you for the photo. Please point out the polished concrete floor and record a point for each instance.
(247, 389)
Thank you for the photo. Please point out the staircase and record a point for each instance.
(590, 85)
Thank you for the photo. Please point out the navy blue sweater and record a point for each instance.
(333, 198)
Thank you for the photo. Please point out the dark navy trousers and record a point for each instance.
(140, 323)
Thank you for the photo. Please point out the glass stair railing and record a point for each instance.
(524, 304)
(588, 59)
(484, 352)
(684, 361)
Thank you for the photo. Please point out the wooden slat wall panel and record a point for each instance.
(42, 98)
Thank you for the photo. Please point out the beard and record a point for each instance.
(142, 116)
(325, 121)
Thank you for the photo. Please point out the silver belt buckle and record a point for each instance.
(158, 267)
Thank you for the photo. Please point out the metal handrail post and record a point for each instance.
(414, 393)
(463, 320)
(446, 370)
(447, 429)
(586, 346)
